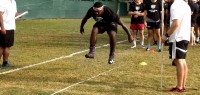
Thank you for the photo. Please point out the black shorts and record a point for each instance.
(103, 26)
(193, 22)
(153, 25)
(179, 51)
(8, 39)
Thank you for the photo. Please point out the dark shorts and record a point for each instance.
(102, 26)
(193, 22)
(137, 27)
(198, 21)
(153, 25)
(8, 39)
(180, 51)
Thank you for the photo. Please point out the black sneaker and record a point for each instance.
(196, 41)
(159, 50)
(147, 49)
(111, 59)
(89, 55)
(7, 65)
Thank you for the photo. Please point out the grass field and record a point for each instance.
(49, 58)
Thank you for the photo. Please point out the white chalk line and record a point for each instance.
(52, 60)
(59, 91)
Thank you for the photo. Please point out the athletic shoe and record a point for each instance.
(134, 46)
(7, 65)
(111, 59)
(175, 89)
(142, 46)
(196, 41)
(147, 49)
(159, 50)
(89, 55)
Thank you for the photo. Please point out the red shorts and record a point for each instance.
(137, 26)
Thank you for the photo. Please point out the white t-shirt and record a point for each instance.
(9, 10)
(180, 10)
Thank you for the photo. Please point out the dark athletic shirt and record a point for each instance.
(140, 8)
(195, 9)
(153, 10)
(108, 16)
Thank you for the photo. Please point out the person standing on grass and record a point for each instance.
(179, 37)
(153, 10)
(197, 26)
(106, 20)
(195, 9)
(8, 11)
(136, 10)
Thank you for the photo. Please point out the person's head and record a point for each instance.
(137, 1)
(153, 1)
(194, 1)
(98, 8)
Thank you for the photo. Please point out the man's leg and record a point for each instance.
(186, 73)
(93, 40)
(6, 53)
(157, 32)
(112, 37)
(180, 69)
(192, 37)
(142, 38)
(134, 38)
(196, 29)
(155, 38)
(1, 52)
(150, 35)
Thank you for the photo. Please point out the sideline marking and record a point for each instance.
(84, 81)
(55, 59)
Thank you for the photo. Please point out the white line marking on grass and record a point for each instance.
(52, 60)
(84, 80)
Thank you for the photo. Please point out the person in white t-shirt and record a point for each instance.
(8, 11)
(179, 37)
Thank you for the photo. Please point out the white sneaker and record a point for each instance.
(134, 46)
(142, 46)
(147, 49)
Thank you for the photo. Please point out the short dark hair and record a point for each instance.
(98, 4)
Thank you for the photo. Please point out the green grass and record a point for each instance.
(41, 40)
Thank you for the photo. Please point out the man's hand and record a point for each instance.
(130, 38)
(164, 38)
(3, 31)
(82, 30)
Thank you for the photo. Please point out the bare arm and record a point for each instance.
(121, 23)
(145, 18)
(171, 30)
(136, 13)
(173, 27)
(3, 31)
(84, 20)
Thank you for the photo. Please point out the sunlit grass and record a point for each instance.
(41, 40)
